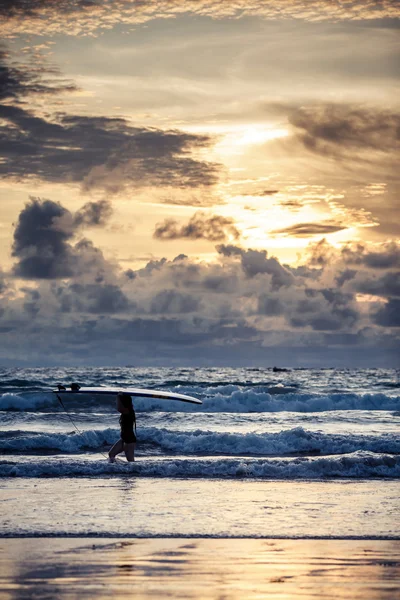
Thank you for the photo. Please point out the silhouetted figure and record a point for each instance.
(127, 420)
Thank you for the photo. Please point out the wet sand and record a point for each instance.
(199, 568)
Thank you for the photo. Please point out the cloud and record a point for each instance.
(389, 314)
(320, 253)
(308, 229)
(214, 228)
(336, 128)
(100, 152)
(243, 304)
(21, 81)
(261, 193)
(386, 257)
(43, 239)
(270, 306)
(174, 302)
(387, 285)
(190, 197)
(42, 248)
(97, 152)
(92, 298)
(346, 275)
(256, 262)
(93, 214)
(3, 283)
(86, 18)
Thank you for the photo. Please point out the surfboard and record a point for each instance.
(137, 392)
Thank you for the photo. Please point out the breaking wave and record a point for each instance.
(292, 441)
(216, 400)
(358, 465)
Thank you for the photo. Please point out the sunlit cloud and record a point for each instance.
(50, 18)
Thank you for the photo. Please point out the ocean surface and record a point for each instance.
(313, 433)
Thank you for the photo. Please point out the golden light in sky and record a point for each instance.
(213, 152)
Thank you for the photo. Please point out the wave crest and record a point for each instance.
(292, 441)
(359, 465)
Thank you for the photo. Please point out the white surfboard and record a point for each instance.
(113, 391)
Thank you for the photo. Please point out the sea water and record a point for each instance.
(297, 453)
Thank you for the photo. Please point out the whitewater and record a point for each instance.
(256, 427)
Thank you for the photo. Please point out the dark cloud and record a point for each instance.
(174, 302)
(100, 152)
(261, 193)
(386, 257)
(270, 306)
(378, 257)
(386, 286)
(3, 283)
(389, 314)
(42, 248)
(20, 81)
(152, 265)
(93, 298)
(333, 320)
(180, 257)
(324, 309)
(201, 226)
(330, 129)
(31, 303)
(256, 262)
(93, 214)
(308, 229)
(344, 276)
(244, 300)
(43, 239)
(130, 274)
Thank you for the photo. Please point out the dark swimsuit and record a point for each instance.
(127, 423)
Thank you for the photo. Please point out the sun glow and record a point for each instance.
(255, 135)
(234, 139)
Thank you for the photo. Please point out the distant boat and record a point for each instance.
(280, 370)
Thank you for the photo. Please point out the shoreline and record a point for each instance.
(161, 536)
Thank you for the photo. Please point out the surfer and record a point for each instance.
(127, 420)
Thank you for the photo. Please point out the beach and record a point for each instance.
(165, 538)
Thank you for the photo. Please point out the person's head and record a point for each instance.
(126, 401)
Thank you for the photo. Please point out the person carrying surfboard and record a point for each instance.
(127, 420)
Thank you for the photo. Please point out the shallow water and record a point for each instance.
(169, 507)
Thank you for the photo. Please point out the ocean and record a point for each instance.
(303, 453)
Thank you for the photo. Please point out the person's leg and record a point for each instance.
(116, 449)
(130, 451)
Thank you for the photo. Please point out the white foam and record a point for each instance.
(26, 402)
(358, 465)
(291, 441)
(67, 442)
(232, 400)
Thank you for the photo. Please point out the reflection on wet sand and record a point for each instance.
(199, 568)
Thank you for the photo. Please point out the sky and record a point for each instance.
(200, 183)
